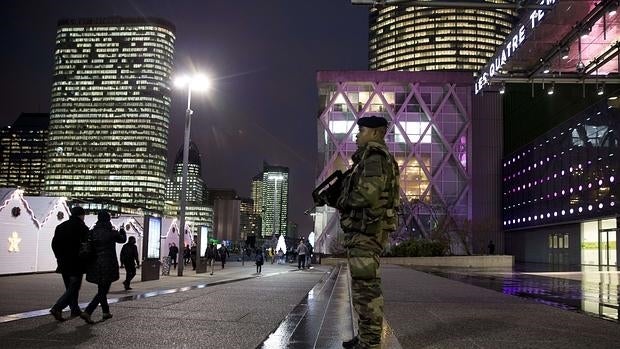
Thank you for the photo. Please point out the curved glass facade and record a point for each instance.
(110, 110)
(414, 38)
(569, 174)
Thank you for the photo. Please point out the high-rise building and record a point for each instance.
(110, 110)
(257, 193)
(419, 38)
(213, 194)
(195, 183)
(274, 200)
(249, 221)
(22, 152)
(226, 222)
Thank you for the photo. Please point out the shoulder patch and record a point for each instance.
(373, 166)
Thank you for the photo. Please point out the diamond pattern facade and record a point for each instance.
(429, 134)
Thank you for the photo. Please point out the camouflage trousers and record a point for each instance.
(367, 296)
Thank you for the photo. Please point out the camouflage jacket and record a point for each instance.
(369, 198)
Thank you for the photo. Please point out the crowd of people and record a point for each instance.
(82, 251)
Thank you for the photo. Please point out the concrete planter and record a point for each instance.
(447, 261)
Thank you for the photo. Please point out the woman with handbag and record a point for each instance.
(104, 269)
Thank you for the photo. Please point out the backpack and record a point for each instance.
(259, 258)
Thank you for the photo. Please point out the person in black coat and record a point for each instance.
(66, 246)
(211, 253)
(104, 270)
(223, 254)
(131, 261)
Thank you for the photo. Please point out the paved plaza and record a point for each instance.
(287, 308)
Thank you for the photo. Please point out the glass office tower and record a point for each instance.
(416, 38)
(275, 200)
(22, 152)
(110, 110)
(195, 183)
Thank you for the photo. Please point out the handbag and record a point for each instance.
(87, 250)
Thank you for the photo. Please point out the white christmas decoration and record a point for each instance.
(281, 244)
(14, 241)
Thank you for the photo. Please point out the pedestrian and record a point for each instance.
(223, 254)
(301, 255)
(280, 256)
(211, 253)
(66, 246)
(491, 247)
(271, 255)
(192, 251)
(104, 270)
(187, 255)
(173, 251)
(260, 259)
(309, 254)
(131, 261)
(367, 201)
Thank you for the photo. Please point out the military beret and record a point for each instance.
(372, 122)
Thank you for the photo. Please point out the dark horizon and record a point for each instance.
(263, 59)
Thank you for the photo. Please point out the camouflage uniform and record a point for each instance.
(368, 202)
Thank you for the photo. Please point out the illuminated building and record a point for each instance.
(416, 38)
(561, 192)
(22, 153)
(110, 110)
(435, 125)
(195, 183)
(274, 218)
(248, 220)
(257, 192)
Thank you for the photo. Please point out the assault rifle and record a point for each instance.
(329, 190)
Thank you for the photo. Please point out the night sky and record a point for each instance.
(263, 54)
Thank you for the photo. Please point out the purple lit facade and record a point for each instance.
(432, 123)
(564, 187)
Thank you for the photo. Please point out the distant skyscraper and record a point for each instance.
(226, 222)
(195, 183)
(214, 194)
(22, 152)
(416, 38)
(110, 110)
(257, 193)
(275, 200)
(249, 221)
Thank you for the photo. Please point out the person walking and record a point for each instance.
(280, 256)
(187, 255)
(173, 251)
(104, 270)
(301, 255)
(491, 247)
(223, 251)
(193, 252)
(260, 260)
(210, 254)
(367, 200)
(66, 246)
(131, 261)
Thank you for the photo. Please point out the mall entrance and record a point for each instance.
(599, 243)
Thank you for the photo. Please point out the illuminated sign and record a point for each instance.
(154, 233)
(514, 41)
(204, 240)
(14, 241)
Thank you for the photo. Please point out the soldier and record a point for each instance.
(367, 203)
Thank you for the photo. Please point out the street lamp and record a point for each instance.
(196, 83)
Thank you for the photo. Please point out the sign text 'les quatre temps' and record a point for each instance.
(509, 47)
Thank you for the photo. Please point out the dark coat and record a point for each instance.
(105, 267)
(66, 245)
(129, 255)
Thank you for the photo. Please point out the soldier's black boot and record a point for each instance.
(351, 343)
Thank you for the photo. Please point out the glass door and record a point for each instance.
(607, 242)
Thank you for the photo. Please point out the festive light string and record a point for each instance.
(18, 195)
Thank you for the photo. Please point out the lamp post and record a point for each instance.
(195, 83)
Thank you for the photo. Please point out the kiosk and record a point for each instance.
(201, 246)
(151, 248)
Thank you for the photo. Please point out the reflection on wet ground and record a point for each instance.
(589, 289)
